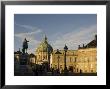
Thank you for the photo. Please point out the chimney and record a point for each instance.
(95, 37)
(78, 46)
(83, 45)
(19, 49)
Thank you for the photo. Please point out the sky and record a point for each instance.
(60, 29)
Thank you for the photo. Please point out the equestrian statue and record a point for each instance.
(25, 46)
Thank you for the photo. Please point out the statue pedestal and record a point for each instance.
(24, 68)
(24, 59)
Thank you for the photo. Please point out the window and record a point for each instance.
(85, 59)
(85, 70)
(91, 59)
(39, 56)
(60, 66)
(73, 53)
(77, 69)
(91, 66)
(88, 60)
(75, 59)
(91, 70)
(70, 59)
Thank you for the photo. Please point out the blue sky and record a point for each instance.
(60, 29)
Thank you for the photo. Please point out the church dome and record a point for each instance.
(44, 46)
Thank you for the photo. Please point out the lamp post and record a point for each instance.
(58, 57)
(88, 65)
(65, 49)
(58, 61)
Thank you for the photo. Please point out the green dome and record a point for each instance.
(44, 46)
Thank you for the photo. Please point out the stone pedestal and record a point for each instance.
(23, 68)
(24, 58)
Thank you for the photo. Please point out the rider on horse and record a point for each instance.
(25, 46)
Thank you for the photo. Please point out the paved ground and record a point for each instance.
(24, 70)
(70, 74)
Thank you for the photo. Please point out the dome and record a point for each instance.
(44, 46)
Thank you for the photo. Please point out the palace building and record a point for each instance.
(87, 57)
(57, 60)
(82, 60)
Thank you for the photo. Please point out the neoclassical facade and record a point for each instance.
(87, 60)
(82, 60)
(87, 57)
(57, 60)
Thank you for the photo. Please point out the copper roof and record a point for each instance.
(91, 44)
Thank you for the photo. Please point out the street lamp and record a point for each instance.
(58, 57)
(88, 65)
(65, 49)
(58, 61)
